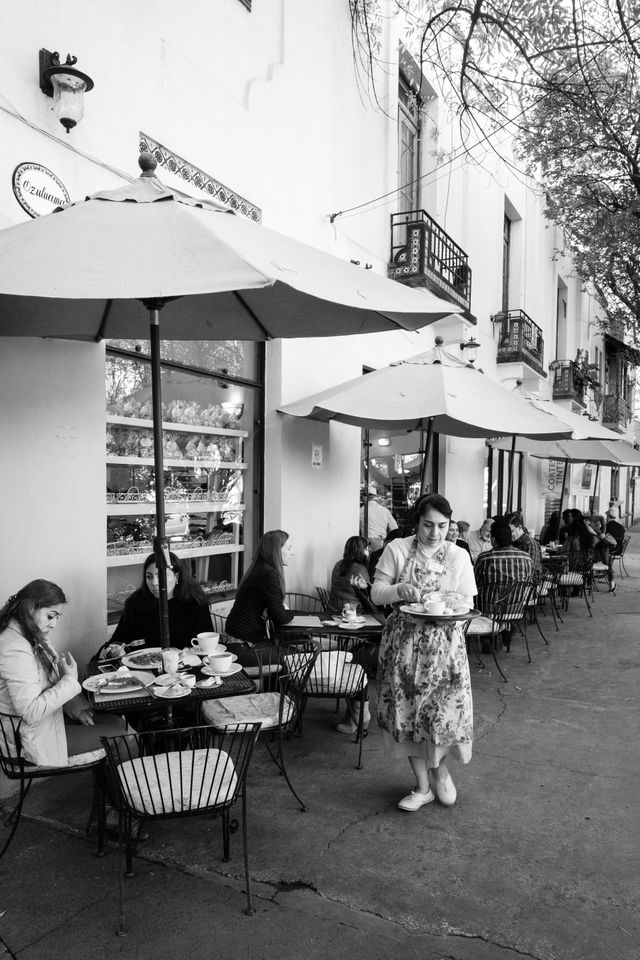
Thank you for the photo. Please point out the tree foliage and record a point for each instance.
(562, 75)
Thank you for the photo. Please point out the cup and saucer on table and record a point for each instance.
(221, 664)
(350, 618)
(206, 643)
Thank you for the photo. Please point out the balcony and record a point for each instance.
(520, 340)
(568, 382)
(422, 254)
(616, 413)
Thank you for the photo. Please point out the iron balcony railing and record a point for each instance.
(568, 382)
(616, 412)
(519, 339)
(420, 249)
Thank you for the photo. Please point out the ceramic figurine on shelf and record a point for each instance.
(227, 451)
(173, 449)
(190, 413)
(213, 454)
(202, 450)
(191, 451)
(146, 445)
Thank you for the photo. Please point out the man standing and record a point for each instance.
(380, 521)
(480, 540)
(524, 541)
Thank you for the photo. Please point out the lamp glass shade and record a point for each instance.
(68, 98)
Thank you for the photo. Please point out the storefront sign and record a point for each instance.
(555, 475)
(37, 189)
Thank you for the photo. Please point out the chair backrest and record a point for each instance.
(506, 601)
(303, 603)
(297, 665)
(334, 672)
(324, 597)
(182, 772)
(219, 623)
(11, 759)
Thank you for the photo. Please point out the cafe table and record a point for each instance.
(317, 625)
(146, 702)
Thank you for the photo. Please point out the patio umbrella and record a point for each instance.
(111, 264)
(582, 428)
(608, 453)
(434, 390)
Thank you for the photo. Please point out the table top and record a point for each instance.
(232, 686)
(317, 624)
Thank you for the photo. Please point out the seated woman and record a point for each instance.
(453, 536)
(188, 607)
(260, 599)
(42, 687)
(350, 575)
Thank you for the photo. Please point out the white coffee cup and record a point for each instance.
(170, 660)
(206, 642)
(434, 607)
(219, 662)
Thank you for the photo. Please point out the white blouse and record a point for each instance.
(457, 577)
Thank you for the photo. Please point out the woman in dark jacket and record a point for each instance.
(260, 598)
(188, 607)
(349, 573)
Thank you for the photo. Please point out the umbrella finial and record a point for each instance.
(147, 163)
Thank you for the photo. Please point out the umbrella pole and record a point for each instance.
(564, 480)
(512, 457)
(365, 516)
(592, 502)
(160, 541)
(425, 459)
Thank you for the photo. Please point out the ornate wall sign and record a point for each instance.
(37, 189)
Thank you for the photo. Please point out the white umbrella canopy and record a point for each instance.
(582, 428)
(609, 453)
(219, 276)
(434, 386)
(113, 264)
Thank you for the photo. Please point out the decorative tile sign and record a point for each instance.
(37, 189)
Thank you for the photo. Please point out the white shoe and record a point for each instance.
(445, 789)
(415, 800)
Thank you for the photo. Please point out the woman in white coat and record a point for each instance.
(41, 686)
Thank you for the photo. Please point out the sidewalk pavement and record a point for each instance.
(537, 859)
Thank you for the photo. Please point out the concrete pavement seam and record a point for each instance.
(5, 951)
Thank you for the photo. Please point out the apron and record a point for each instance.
(424, 688)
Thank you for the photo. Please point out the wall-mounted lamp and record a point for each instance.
(66, 85)
(470, 349)
(384, 442)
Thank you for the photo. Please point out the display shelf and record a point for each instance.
(177, 427)
(125, 509)
(131, 559)
(115, 461)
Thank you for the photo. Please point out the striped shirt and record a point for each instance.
(502, 566)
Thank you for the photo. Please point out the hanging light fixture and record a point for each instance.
(470, 349)
(66, 85)
(384, 442)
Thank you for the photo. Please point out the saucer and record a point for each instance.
(235, 668)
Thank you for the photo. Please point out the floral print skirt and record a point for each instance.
(424, 690)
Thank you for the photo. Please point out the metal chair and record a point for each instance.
(303, 603)
(324, 598)
(619, 556)
(504, 606)
(578, 576)
(340, 672)
(184, 772)
(549, 587)
(15, 767)
(277, 710)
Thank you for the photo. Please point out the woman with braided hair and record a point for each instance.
(41, 686)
